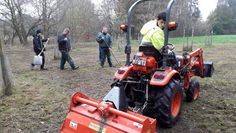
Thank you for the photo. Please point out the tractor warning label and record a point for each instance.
(73, 125)
(96, 127)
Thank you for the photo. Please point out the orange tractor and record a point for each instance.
(145, 92)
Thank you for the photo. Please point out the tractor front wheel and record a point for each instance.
(167, 103)
(193, 92)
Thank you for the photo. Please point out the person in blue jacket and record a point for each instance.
(105, 44)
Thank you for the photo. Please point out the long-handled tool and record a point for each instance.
(112, 53)
(114, 57)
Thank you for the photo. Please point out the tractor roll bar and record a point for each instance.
(128, 35)
(166, 31)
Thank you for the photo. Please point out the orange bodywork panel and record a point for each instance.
(89, 116)
(196, 60)
(123, 75)
(151, 64)
(167, 76)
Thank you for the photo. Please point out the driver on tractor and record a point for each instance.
(153, 37)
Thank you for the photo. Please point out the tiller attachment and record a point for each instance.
(87, 115)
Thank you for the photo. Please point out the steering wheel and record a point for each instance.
(170, 46)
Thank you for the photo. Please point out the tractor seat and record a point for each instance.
(149, 50)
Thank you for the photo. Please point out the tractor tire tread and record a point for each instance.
(162, 104)
(190, 92)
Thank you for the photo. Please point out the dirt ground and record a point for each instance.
(40, 99)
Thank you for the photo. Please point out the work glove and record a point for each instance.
(166, 47)
(100, 39)
(163, 49)
(44, 48)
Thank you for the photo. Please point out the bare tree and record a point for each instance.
(5, 72)
(107, 13)
(51, 12)
(143, 13)
(12, 12)
(82, 19)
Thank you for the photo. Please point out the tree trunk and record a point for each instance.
(24, 35)
(45, 19)
(184, 33)
(57, 55)
(22, 38)
(211, 36)
(5, 73)
(25, 39)
(13, 38)
(192, 34)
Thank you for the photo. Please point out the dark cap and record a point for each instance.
(38, 31)
(162, 16)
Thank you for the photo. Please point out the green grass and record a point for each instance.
(200, 40)
(217, 39)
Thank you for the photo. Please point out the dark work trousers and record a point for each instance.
(106, 54)
(100, 54)
(65, 57)
(43, 59)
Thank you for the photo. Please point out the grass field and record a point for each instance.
(216, 39)
(40, 100)
(198, 40)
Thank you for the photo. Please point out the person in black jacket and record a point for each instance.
(39, 47)
(65, 47)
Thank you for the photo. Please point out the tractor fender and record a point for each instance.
(162, 78)
(123, 72)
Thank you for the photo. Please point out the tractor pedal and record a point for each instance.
(137, 110)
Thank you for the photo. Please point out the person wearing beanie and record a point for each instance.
(153, 37)
(153, 32)
(39, 47)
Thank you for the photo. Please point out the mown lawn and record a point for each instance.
(216, 39)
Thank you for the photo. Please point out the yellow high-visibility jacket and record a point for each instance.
(153, 34)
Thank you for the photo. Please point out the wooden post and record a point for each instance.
(5, 73)
(211, 37)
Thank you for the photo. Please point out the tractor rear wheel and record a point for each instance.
(193, 92)
(166, 104)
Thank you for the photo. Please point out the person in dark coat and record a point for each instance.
(65, 47)
(39, 47)
(99, 40)
(105, 44)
